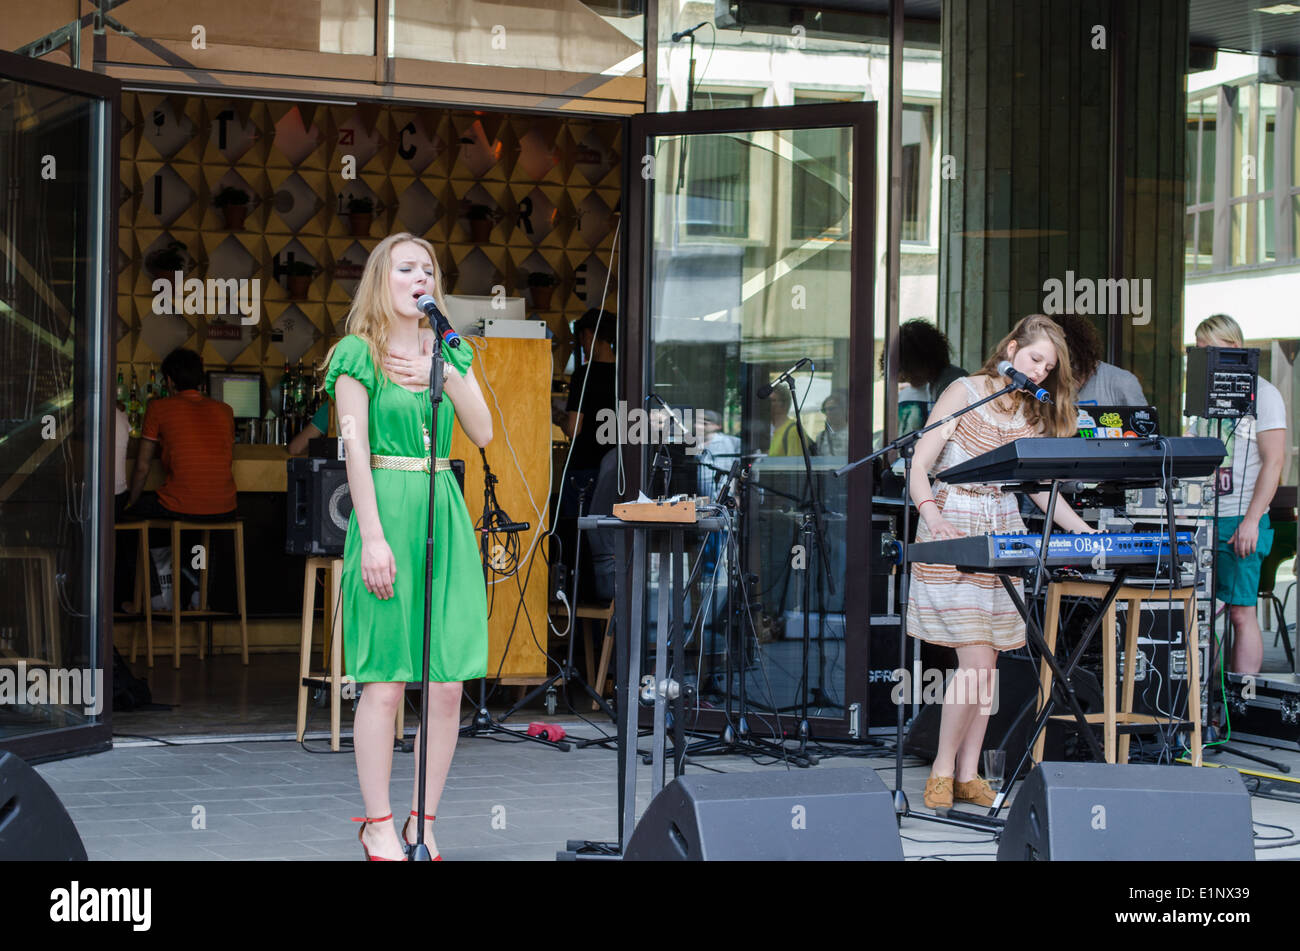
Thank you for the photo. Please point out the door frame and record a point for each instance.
(635, 336)
(98, 736)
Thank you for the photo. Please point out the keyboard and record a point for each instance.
(1036, 459)
(1065, 549)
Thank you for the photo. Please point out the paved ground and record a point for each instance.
(276, 800)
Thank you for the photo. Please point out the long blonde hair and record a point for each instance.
(372, 317)
(1058, 418)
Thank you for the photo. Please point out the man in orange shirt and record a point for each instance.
(197, 436)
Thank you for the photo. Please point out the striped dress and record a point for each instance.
(946, 606)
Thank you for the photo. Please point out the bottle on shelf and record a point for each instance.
(286, 390)
(120, 393)
(299, 398)
(134, 409)
(150, 388)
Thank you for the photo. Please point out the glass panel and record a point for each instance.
(1239, 238)
(1200, 150)
(818, 204)
(50, 412)
(918, 139)
(1205, 240)
(1244, 174)
(1267, 231)
(347, 26)
(718, 179)
(1209, 136)
(727, 316)
(1267, 136)
(600, 37)
(1189, 243)
(1295, 225)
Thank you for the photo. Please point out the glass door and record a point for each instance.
(750, 250)
(58, 148)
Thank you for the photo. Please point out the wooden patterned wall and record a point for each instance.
(552, 185)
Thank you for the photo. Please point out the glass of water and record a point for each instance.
(995, 764)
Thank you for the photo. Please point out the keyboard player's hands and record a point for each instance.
(940, 527)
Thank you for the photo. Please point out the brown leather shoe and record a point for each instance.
(976, 790)
(938, 793)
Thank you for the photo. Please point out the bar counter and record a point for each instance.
(257, 468)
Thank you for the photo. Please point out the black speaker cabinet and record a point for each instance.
(822, 814)
(317, 507)
(1103, 812)
(319, 504)
(34, 826)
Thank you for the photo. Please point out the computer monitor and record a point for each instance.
(242, 392)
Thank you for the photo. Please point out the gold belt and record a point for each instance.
(408, 463)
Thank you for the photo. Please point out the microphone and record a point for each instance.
(677, 37)
(766, 389)
(1023, 382)
(671, 413)
(441, 326)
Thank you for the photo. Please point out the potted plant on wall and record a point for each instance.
(480, 223)
(361, 212)
(165, 262)
(299, 278)
(233, 203)
(542, 285)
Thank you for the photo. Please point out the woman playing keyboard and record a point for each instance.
(973, 613)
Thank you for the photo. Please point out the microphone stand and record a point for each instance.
(811, 530)
(420, 851)
(905, 446)
(495, 522)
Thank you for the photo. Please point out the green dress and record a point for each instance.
(383, 640)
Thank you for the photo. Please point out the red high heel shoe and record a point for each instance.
(362, 831)
(407, 843)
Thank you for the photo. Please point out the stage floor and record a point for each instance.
(277, 801)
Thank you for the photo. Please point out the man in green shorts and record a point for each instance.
(1248, 482)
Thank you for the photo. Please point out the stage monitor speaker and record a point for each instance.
(34, 826)
(823, 814)
(1103, 812)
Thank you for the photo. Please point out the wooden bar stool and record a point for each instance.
(333, 568)
(589, 615)
(141, 527)
(42, 601)
(1112, 718)
(236, 527)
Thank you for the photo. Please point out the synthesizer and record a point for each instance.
(1036, 459)
(1013, 551)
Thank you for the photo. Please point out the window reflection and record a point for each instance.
(49, 408)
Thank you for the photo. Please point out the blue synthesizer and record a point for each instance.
(1097, 552)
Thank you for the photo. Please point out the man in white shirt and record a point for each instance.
(1256, 447)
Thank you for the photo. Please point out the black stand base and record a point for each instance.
(484, 725)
